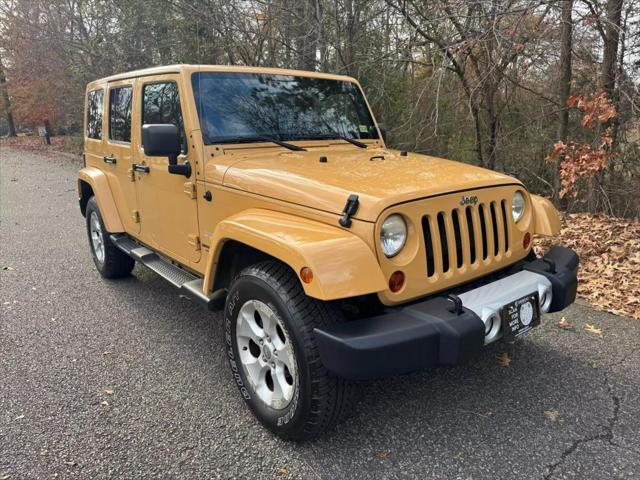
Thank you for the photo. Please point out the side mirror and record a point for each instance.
(163, 140)
(383, 131)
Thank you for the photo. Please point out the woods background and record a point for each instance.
(545, 90)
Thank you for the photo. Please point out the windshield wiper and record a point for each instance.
(256, 138)
(352, 141)
(290, 146)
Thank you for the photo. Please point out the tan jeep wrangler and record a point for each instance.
(270, 193)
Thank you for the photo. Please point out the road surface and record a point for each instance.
(126, 379)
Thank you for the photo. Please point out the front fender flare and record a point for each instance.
(342, 263)
(545, 216)
(101, 190)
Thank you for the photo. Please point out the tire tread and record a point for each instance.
(333, 398)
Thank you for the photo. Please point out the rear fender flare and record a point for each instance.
(343, 265)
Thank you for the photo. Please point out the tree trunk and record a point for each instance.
(564, 80)
(564, 86)
(5, 102)
(306, 37)
(612, 37)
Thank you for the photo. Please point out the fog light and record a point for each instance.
(526, 241)
(396, 281)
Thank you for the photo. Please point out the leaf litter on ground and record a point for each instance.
(503, 359)
(609, 251)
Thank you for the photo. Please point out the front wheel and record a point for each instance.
(273, 355)
(110, 261)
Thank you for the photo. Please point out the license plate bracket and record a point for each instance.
(520, 316)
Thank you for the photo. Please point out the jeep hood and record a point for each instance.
(380, 177)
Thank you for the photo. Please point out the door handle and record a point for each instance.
(140, 168)
(109, 159)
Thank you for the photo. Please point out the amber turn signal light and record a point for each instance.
(526, 241)
(306, 274)
(396, 281)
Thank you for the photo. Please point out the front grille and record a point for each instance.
(466, 235)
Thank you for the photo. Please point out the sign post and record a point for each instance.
(45, 132)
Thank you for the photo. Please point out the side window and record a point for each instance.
(94, 114)
(120, 114)
(161, 104)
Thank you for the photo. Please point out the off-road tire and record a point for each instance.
(321, 400)
(116, 263)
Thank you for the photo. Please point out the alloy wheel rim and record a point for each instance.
(97, 238)
(266, 354)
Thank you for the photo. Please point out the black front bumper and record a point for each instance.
(431, 333)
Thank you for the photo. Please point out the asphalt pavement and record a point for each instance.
(126, 379)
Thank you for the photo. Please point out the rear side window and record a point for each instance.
(120, 114)
(94, 114)
(161, 104)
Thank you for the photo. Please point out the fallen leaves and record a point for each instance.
(609, 251)
(503, 359)
(34, 143)
(383, 455)
(563, 324)
(282, 472)
(591, 329)
(109, 392)
(552, 415)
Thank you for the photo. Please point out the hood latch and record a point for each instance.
(350, 209)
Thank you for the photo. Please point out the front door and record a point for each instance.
(167, 202)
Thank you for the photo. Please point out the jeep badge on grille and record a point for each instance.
(468, 200)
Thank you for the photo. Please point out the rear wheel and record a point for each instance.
(269, 323)
(110, 261)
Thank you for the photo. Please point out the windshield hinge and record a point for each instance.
(350, 209)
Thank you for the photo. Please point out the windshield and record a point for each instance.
(241, 107)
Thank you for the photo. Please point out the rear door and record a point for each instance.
(118, 156)
(94, 131)
(167, 202)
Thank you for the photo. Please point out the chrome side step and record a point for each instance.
(189, 284)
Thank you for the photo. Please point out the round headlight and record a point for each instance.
(393, 235)
(517, 206)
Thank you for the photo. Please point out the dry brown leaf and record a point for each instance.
(563, 324)
(503, 359)
(591, 329)
(109, 392)
(383, 455)
(282, 472)
(552, 415)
